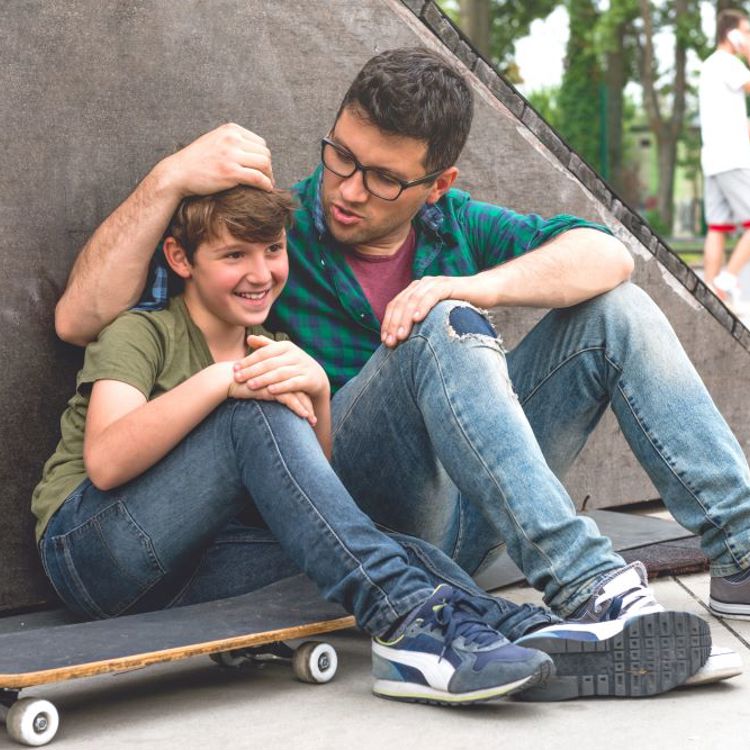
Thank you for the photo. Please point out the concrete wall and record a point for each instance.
(94, 93)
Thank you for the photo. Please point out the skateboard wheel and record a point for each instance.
(32, 721)
(315, 662)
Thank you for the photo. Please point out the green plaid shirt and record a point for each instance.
(323, 307)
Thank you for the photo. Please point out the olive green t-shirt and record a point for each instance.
(153, 352)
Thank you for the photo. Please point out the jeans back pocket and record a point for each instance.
(108, 563)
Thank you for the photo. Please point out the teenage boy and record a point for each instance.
(438, 431)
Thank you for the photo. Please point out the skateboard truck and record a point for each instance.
(312, 661)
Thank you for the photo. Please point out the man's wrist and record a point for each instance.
(480, 290)
(166, 181)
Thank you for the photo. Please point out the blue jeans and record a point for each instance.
(448, 438)
(247, 498)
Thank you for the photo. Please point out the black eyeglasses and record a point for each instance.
(381, 184)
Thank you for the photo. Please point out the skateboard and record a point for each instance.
(235, 632)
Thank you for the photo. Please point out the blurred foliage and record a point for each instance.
(608, 43)
(580, 99)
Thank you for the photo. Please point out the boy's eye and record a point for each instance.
(235, 255)
(277, 247)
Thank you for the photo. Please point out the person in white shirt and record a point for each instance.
(725, 156)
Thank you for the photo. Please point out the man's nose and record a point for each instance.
(353, 189)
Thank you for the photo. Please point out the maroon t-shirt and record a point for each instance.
(382, 277)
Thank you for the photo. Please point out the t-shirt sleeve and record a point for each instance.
(497, 234)
(736, 75)
(129, 350)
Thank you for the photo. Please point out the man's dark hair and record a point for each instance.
(726, 21)
(415, 92)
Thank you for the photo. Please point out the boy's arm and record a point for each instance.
(126, 434)
(109, 273)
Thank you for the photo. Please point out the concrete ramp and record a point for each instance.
(95, 93)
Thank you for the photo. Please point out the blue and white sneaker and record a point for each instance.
(625, 593)
(444, 654)
(622, 642)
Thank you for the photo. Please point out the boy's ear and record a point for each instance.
(176, 258)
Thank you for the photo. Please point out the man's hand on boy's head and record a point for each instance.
(281, 367)
(225, 157)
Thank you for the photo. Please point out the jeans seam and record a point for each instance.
(518, 526)
(311, 506)
(71, 570)
(559, 366)
(45, 567)
(427, 563)
(360, 394)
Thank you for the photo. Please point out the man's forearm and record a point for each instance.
(109, 273)
(573, 267)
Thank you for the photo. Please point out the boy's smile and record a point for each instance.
(232, 283)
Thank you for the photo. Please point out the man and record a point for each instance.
(437, 431)
(725, 157)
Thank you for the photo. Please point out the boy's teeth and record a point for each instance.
(252, 295)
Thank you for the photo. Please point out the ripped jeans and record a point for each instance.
(448, 438)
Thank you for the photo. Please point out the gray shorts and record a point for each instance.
(727, 200)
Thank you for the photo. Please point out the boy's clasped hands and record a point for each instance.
(281, 371)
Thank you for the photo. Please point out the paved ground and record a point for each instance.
(194, 704)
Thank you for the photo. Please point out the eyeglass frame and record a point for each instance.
(359, 167)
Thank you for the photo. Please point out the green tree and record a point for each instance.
(494, 26)
(665, 92)
(546, 102)
(580, 96)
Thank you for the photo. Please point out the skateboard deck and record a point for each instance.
(35, 655)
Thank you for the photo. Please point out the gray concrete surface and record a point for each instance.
(193, 705)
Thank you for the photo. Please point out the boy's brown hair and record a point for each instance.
(727, 20)
(247, 213)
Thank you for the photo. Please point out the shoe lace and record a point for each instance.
(457, 615)
(636, 599)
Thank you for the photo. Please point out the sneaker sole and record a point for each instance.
(729, 611)
(412, 692)
(651, 654)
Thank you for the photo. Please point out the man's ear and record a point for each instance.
(176, 258)
(442, 184)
